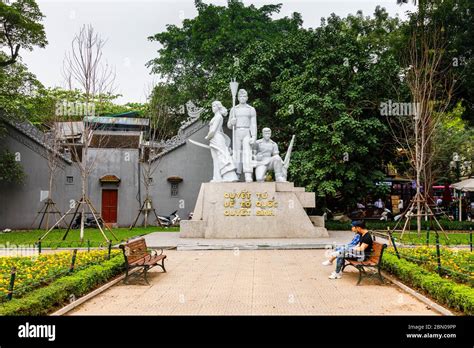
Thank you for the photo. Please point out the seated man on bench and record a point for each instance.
(339, 250)
(360, 252)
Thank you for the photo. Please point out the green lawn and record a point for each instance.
(453, 238)
(54, 238)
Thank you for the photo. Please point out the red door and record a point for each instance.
(109, 206)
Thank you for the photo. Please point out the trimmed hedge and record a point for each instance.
(456, 296)
(44, 300)
(382, 225)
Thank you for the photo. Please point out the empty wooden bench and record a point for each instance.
(136, 255)
(374, 261)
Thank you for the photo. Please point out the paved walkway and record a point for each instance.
(172, 239)
(261, 282)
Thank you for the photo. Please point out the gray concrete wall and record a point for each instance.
(190, 162)
(19, 203)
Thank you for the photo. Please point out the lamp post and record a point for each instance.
(456, 160)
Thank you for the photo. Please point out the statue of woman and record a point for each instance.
(219, 142)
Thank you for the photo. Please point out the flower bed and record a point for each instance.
(382, 225)
(457, 265)
(63, 290)
(457, 296)
(36, 271)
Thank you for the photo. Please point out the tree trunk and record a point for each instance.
(83, 197)
(418, 205)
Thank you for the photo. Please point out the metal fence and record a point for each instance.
(442, 258)
(18, 291)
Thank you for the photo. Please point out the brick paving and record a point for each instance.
(251, 282)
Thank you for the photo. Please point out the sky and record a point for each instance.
(126, 25)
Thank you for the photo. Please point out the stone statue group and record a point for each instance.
(247, 153)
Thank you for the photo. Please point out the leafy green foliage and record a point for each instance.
(456, 296)
(382, 225)
(20, 28)
(35, 272)
(20, 91)
(331, 99)
(323, 85)
(54, 104)
(45, 300)
(455, 264)
(11, 171)
(199, 59)
(21, 94)
(166, 111)
(453, 135)
(457, 18)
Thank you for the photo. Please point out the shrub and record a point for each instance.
(456, 296)
(455, 264)
(44, 300)
(36, 271)
(382, 225)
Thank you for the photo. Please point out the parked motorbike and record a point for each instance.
(387, 215)
(89, 222)
(171, 220)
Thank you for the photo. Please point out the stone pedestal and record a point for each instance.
(252, 210)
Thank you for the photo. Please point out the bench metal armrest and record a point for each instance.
(155, 252)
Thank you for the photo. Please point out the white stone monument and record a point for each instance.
(226, 208)
(252, 210)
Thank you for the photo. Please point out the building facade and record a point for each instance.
(115, 184)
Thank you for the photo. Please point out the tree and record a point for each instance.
(323, 85)
(166, 108)
(21, 94)
(452, 136)
(193, 56)
(20, 91)
(84, 67)
(161, 120)
(331, 100)
(456, 18)
(20, 28)
(430, 80)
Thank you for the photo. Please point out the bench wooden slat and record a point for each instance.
(151, 260)
(136, 254)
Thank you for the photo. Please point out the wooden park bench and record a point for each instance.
(136, 255)
(374, 261)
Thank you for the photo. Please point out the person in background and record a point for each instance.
(400, 205)
(379, 204)
(360, 252)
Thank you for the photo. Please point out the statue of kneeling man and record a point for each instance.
(268, 158)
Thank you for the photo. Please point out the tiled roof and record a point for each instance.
(32, 132)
